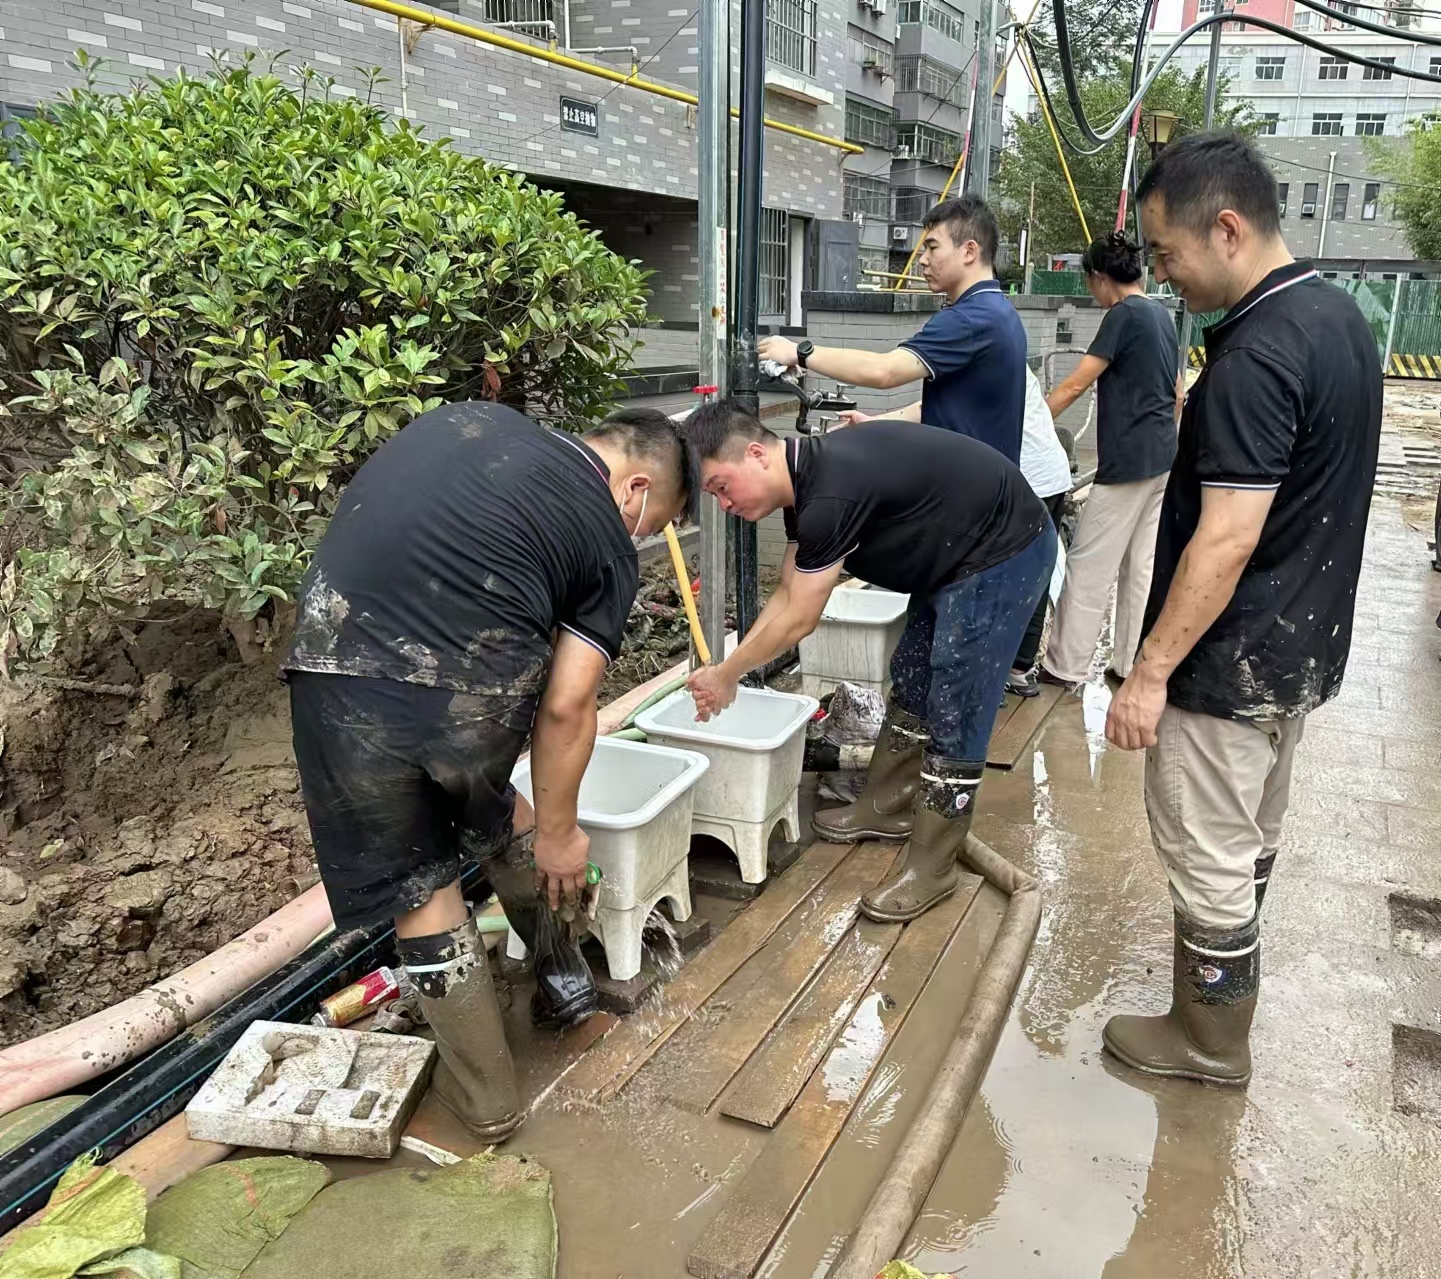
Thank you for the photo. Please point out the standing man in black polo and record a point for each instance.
(930, 513)
(1257, 559)
(971, 353)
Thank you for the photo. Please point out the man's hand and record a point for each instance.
(713, 690)
(781, 350)
(560, 860)
(851, 417)
(1136, 711)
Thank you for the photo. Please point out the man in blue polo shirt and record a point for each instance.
(972, 353)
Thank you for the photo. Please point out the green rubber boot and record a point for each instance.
(1215, 976)
(885, 807)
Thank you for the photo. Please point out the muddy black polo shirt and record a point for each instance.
(459, 548)
(1290, 400)
(910, 508)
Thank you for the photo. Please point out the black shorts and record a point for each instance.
(402, 783)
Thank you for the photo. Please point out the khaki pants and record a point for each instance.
(1216, 794)
(1117, 535)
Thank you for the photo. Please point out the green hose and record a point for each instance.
(659, 695)
(626, 735)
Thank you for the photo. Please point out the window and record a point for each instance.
(1326, 124)
(937, 15)
(1283, 189)
(869, 123)
(1205, 7)
(1308, 199)
(522, 13)
(1376, 73)
(1370, 126)
(871, 52)
(868, 196)
(791, 34)
(1340, 197)
(938, 146)
(912, 204)
(775, 261)
(1270, 68)
(1333, 68)
(1304, 20)
(1436, 66)
(1268, 122)
(934, 79)
(1230, 65)
(1370, 198)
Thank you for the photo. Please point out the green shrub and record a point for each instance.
(217, 297)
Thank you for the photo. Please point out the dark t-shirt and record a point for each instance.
(457, 550)
(975, 357)
(1136, 415)
(910, 508)
(1290, 400)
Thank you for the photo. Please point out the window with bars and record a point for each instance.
(1340, 198)
(1266, 124)
(1333, 68)
(918, 74)
(1283, 190)
(867, 195)
(775, 262)
(516, 13)
(870, 124)
(1376, 73)
(1326, 124)
(1271, 68)
(791, 34)
(911, 204)
(871, 52)
(926, 142)
(1370, 198)
(937, 15)
(1371, 126)
(1308, 199)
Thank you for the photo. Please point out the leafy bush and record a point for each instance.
(217, 297)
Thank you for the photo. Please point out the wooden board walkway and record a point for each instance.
(1016, 725)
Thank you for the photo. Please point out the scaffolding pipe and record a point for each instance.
(442, 22)
(745, 370)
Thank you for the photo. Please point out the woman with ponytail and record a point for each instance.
(1133, 364)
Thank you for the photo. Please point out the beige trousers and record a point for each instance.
(1117, 535)
(1216, 794)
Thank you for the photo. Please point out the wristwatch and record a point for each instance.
(803, 351)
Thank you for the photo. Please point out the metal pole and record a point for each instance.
(1391, 338)
(978, 176)
(1213, 74)
(713, 215)
(745, 372)
(1326, 208)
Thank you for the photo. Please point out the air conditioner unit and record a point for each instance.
(899, 233)
(879, 5)
(871, 61)
(859, 217)
(902, 152)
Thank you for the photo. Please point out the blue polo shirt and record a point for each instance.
(975, 356)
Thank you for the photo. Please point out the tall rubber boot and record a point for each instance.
(929, 871)
(1215, 976)
(1264, 864)
(565, 990)
(884, 809)
(475, 1078)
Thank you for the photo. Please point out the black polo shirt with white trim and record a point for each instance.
(910, 508)
(1290, 401)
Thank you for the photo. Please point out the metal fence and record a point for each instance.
(775, 262)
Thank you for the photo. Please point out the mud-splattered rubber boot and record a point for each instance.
(885, 808)
(475, 1077)
(1215, 977)
(929, 870)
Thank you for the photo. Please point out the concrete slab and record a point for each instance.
(311, 1089)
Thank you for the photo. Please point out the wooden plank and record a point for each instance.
(1016, 734)
(608, 1066)
(737, 1239)
(705, 1055)
(772, 1079)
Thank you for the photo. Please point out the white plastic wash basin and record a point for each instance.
(858, 632)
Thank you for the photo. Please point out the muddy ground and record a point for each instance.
(143, 829)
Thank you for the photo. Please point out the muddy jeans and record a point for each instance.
(1216, 795)
(950, 666)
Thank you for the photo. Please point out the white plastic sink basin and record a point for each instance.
(858, 632)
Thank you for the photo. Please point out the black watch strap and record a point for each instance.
(803, 351)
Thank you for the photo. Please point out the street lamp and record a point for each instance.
(1159, 125)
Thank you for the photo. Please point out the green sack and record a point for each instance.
(219, 1219)
(94, 1213)
(482, 1218)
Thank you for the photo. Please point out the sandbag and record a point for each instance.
(217, 1221)
(482, 1218)
(94, 1213)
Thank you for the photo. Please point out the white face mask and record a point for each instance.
(644, 497)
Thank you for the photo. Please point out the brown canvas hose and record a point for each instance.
(903, 1190)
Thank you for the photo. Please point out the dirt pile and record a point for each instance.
(141, 830)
